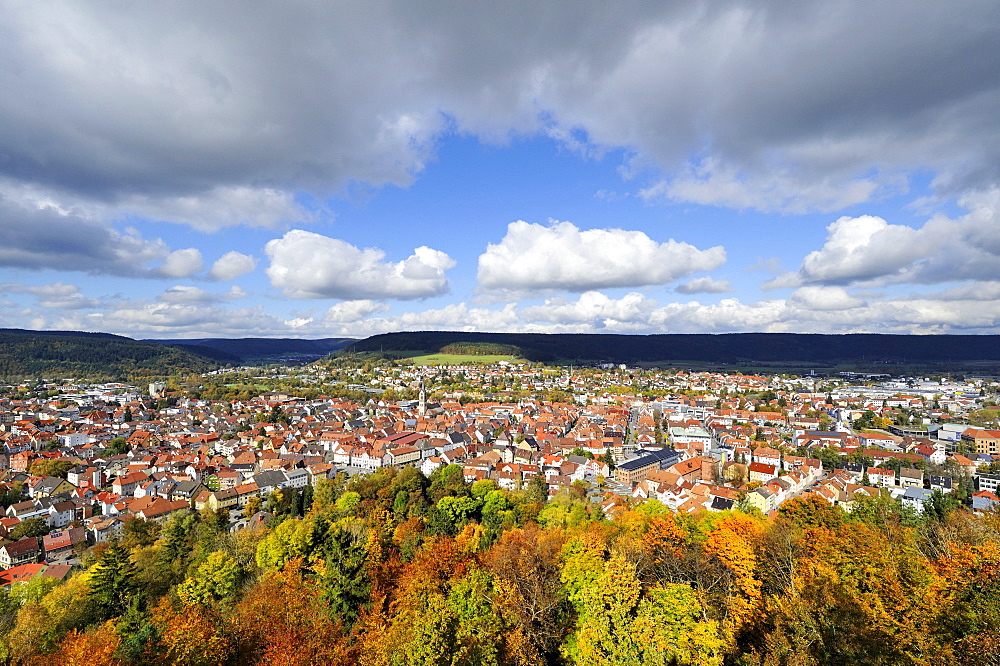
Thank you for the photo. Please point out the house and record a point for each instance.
(762, 499)
(931, 454)
(767, 456)
(245, 491)
(987, 482)
(915, 498)
(877, 439)
(402, 455)
(762, 473)
(270, 480)
(296, 478)
(220, 499)
(430, 464)
(985, 501)
(27, 509)
(911, 478)
(366, 459)
(881, 477)
(61, 514)
(22, 551)
(635, 470)
(942, 483)
(103, 530)
(982, 441)
(160, 509)
(60, 544)
(25, 572)
(49, 486)
(127, 484)
(187, 490)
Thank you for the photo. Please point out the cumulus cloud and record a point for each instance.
(232, 265)
(704, 285)
(181, 263)
(591, 307)
(308, 265)
(351, 311)
(869, 250)
(826, 298)
(561, 256)
(236, 292)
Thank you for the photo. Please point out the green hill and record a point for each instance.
(264, 350)
(745, 349)
(92, 355)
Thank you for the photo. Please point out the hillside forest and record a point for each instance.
(396, 569)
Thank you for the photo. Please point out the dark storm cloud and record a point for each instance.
(114, 101)
(44, 238)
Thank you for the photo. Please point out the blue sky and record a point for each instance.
(308, 170)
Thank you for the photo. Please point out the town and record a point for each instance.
(82, 462)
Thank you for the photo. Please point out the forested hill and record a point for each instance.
(94, 355)
(256, 350)
(732, 348)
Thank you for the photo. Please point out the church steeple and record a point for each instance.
(422, 403)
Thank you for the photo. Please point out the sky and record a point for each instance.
(316, 169)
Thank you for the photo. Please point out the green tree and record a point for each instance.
(217, 579)
(113, 582)
(118, 446)
(32, 527)
(342, 573)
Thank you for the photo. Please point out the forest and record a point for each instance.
(94, 355)
(813, 350)
(398, 569)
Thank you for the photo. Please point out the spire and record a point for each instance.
(422, 404)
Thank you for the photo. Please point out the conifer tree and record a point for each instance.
(113, 582)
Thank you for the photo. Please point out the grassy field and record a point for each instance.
(420, 358)
(461, 359)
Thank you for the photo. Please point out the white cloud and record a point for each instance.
(825, 298)
(182, 263)
(561, 256)
(593, 308)
(972, 291)
(186, 294)
(351, 311)
(57, 296)
(232, 265)
(713, 184)
(219, 207)
(704, 285)
(236, 292)
(309, 265)
(868, 250)
(862, 248)
(187, 312)
(728, 315)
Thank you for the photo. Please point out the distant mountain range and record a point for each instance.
(867, 351)
(64, 354)
(258, 350)
(77, 354)
(26, 353)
